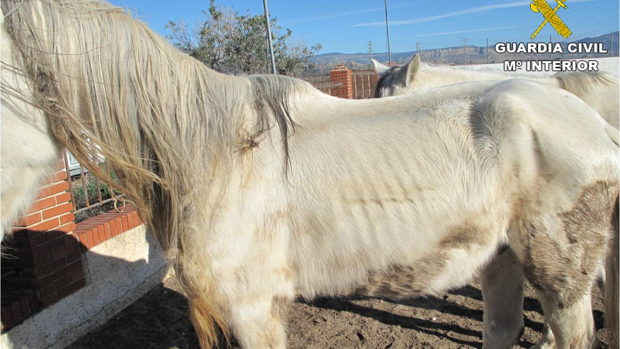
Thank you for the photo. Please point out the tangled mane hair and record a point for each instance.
(168, 126)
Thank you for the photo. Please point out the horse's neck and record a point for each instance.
(429, 77)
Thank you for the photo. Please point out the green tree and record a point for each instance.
(237, 44)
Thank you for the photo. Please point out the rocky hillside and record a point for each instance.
(457, 55)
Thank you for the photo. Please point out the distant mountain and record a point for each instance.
(457, 55)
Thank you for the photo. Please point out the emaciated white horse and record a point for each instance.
(598, 90)
(262, 188)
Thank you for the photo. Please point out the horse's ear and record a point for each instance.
(411, 69)
(379, 68)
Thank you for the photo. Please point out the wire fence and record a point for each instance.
(89, 195)
(364, 83)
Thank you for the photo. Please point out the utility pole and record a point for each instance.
(387, 30)
(611, 43)
(417, 48)
(487, 50)
(370, 53)
(550, 45)
(273, 58)
(465, 51)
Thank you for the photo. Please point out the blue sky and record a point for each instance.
(347, 26)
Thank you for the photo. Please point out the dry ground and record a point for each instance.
(453, 320)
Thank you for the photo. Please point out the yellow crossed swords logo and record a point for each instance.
(550, 16)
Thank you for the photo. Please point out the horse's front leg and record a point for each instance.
(502, 284)
(253, 279)
(257, 321)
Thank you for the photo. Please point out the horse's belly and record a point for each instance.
(393, 247)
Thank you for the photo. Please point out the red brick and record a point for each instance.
(125, 223)
(47, 291)
(60, 262)
(46, 281)
(101, 233)
(130, 222)
(56, 177)
(62, 175)
(75, 248)
(67, 218)
(67, 228)
(59, 254)
(108, 230)
(40, 252)
(58, 210)
(113, 228)
(85, 226)
(84, 241)
(93, 238)
(37, 240)
(46, 225)
(75, 266)
(71, 288)
(42, 204)
(34, 302)
(29, 220)
(119, 225)
(77, 275)
(52, 190)
(25, 307)
(49, 300)
(136, 219)
(61, 165)
(48, 246)
(62, 198)
(42, 259)
(16, 311)
(62, 282)
(7, 317)
(71, 239)
(71, 257)
(53, 235)
(46, 269)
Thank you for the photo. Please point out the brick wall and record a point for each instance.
(42, 263)
(342, 75)
(342, 82)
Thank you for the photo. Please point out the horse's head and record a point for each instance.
(395, 80)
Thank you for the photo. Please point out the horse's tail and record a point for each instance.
(611, 284)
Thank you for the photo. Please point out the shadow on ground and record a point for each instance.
(160, 319)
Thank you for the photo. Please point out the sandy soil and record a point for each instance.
(453, 320)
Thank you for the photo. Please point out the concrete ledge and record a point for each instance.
(118, 272)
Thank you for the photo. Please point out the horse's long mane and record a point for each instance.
(167, 125)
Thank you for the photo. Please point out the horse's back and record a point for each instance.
(374, 193)
(598, 90)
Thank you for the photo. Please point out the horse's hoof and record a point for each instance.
(545, 345)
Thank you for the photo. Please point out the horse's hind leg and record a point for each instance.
(573, 326)
(502, 284)
(561, 253)
(547, 340)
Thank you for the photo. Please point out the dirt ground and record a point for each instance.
(453, 320)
